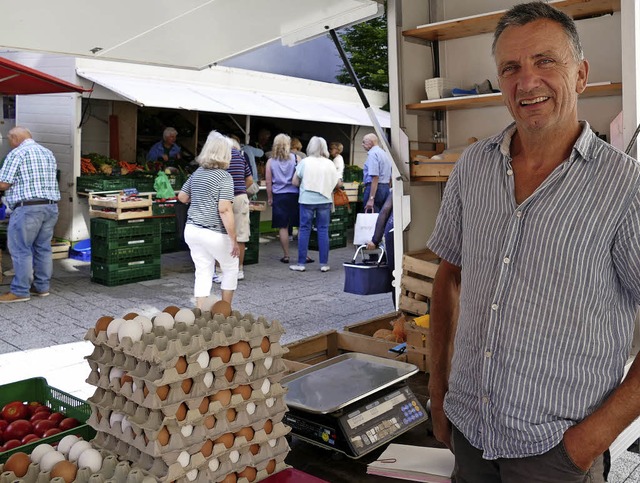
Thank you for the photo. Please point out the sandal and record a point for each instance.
(309, 260)
(284, 259)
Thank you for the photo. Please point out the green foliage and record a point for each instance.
(366, 47)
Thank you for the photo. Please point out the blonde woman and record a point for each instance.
(210, 230)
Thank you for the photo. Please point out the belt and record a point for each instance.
(379, 184)
(35, 202)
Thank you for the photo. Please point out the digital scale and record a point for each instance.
(352, 403)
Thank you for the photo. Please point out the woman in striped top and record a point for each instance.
(210, 229)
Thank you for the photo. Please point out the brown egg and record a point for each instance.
(210, 421)
(221, 307)
(249, 473)
(207, 448)
(243, 347)
(181, 365)
(231, 415)
(130, 316)
(18, 463)
(271, 465)
(163, 436)
(204, 406)
(181, 413)
(244, 390)
(186, 385)
(162, 392)
(265, 345)
(268, 426)
(125, 378)
(145, 390)
(65, 470)
(224, 396)
(172, 310)
(230, 478)
(226, 439)
(255, 449)
(223, 352)
(246, 432)
(102, 324)
(229, 373)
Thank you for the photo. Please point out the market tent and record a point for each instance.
(19, 79)
(189, 33)
(233, 91)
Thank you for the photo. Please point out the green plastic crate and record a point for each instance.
(336, 240)
(100, 273)
(251, 253)
(168, 225)
(163, 209)
(103, 183)
(169, 242)
(105, 244)
(135, 249)
(119, 229)
(37, 389)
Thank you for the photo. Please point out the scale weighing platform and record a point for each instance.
(352, 403)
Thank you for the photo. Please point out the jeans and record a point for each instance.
(29, 241)
(381, 195)
(322, 213)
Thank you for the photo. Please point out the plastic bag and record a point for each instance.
(162, 186)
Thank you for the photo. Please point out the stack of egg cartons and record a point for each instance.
(188, 396)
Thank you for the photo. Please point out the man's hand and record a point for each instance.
(270, 201)
(165, 157)
(371, 246)
(576, 443)
(369, 204)
(441, 425)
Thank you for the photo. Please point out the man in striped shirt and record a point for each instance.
(539, 235)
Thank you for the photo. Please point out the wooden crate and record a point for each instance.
(257, 205)
(423, 166)
(113, 207)
(352, 190)
(416, 283)
(60, 249)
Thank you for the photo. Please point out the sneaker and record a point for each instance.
(8, 298)
(35, 293)
(240, 274)
(217, 278)
(290, 237)
(297, 268)
(325, 268)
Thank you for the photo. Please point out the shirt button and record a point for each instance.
(509, 172)
(487, 354)
(518, 214)
(494, 306)
(485, 399)
(506, 260)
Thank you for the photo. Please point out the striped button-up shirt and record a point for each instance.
(548, 292)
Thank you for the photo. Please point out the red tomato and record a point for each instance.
(18, 429)
(44, 408)
(14, 410)
(68, 423)
(39, 427)
(3, 425)
(51, 432)
(40, 415)
(56, 417)
(33, 406)
(12, 443)
(29, 438)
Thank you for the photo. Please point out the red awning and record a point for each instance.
(19, 79)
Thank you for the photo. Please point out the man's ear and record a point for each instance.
(583, 75)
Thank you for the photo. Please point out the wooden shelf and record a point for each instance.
(490, 100)
(486, 23)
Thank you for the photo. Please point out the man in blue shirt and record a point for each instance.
(166, 151)
(376, 174)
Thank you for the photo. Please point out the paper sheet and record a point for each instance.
(415, 463)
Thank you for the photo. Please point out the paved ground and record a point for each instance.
(305, 303)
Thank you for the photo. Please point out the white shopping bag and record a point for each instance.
(365, 228)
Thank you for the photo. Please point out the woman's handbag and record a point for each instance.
(340, 197)
(367, 277)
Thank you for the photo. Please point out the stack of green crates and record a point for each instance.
(168, 228)
(338, 225)
(125, 251)
(252, 247)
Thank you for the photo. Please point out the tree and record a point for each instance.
(366, 47)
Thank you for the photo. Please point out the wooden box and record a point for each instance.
(60, 249)
(352, 190)
(416, 283)
(423, 166)
(115, 207)
(257, 205)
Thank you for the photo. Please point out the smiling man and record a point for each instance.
(539, 235)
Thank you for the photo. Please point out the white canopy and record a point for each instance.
(234, 91)
(186, 33)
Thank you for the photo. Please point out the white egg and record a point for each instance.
(186, 430)
(251, 408)
(163, 319)
(214, 464)
(113, 326)
(50, 459)
(39, 451)
(203, 359)
(266, 385)
(249, 368)
(270, 402)
(192, 474)
(66, 443)
(208, 379)
(77, 449)
(145, 323)
(186, 316)
(115, 373)
(134, 386)
(268, 361)
(272, 442)
(234, 456)
(131, 329)
(115, 418)
(90, 458)
(183, 459)
(125, 424)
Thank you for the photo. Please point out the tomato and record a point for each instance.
(43, 408)
(68, 423)
(14, 410)
(40, 415)
(51, 432)
(3, 425)
(33, 406)
(56, 417)
(40, 427)
(18, 429)
(12, 443)
(29, 438)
